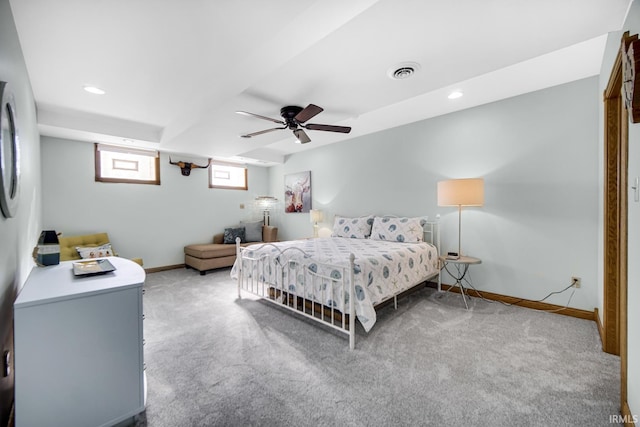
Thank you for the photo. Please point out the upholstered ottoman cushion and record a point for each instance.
(210, 250)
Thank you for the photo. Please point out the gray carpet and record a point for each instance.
(214, 360)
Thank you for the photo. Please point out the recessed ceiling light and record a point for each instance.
(404, 70)
(94, 90)
(455, 94)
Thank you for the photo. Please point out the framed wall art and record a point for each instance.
(297, 192)
(631, 75)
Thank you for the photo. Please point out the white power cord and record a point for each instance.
(468, 283)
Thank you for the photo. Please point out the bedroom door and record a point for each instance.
(616, 144)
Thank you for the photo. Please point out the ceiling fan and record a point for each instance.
(294, 118)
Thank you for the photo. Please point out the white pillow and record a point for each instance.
(355, 228)
(87, 252)
(408, 230)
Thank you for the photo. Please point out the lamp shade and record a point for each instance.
(315, 215)
(461, 192)
(266, 202)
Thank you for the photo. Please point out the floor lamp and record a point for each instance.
(461, 192)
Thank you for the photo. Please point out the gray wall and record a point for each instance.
(18, 235)
(632, 25)
(538, 154)
(153, 222)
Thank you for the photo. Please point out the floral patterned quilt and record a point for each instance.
(382, 269)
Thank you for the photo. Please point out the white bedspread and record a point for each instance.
(382, 269)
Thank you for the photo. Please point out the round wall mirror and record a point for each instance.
(9, 154)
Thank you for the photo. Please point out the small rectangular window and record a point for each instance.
(228, 176)
(129, 165)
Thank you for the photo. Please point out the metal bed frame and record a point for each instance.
(262, 265)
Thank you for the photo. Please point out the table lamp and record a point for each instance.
(316, 217)
(461, 192)
(266, 203)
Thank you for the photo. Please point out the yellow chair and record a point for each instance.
(68, 245)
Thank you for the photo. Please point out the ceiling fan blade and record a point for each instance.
(302, 136)
(260, 132)
(309, 112)
(280, 122)
(330, 128)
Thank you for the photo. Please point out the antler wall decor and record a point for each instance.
(186, 167)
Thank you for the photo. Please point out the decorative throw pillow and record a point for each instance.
(355, 228)
(87, 252)
(407, 230)
(231, 233)
(252, 230)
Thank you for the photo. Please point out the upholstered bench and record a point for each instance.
(209, 256)
(69, 245)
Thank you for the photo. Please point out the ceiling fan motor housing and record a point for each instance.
(288, 113)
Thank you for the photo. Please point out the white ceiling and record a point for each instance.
(175, 71)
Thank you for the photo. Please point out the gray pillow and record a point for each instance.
(253, 230)
(231, 233)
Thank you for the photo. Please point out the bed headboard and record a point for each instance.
(430, 229)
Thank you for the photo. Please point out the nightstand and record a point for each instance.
(461, 265)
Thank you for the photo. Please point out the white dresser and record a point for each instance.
(78, 347)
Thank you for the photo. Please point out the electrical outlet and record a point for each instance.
(576, 281)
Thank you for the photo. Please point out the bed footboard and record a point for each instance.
(301, 287)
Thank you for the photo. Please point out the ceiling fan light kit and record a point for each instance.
(294, 119)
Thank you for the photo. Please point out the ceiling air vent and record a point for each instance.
(403, 71)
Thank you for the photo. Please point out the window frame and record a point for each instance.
(98, 170)
(229, 187)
